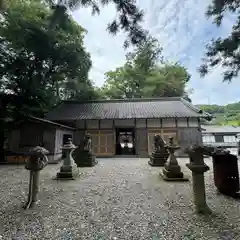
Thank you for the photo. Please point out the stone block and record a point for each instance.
(158, 158)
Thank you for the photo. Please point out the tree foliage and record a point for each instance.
(224, 51)
(41, 63)
(146, 74)
(39, 67)
(128, 16)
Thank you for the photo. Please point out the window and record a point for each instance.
(208, 139)
(219, 138)
(229, 139)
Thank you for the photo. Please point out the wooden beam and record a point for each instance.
(176, 122)
(199, 123)
(187, 122)
(161, 123)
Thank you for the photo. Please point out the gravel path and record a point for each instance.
(117, 199)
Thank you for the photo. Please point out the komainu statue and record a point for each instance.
(83, 155)
(159, 143)
(160, 154)
(87, 142)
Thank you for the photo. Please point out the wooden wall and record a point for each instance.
(25, 136)
(141, 138)
(184, 130)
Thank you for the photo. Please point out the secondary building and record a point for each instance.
(32, 132)
(217, 135)
(131, 122)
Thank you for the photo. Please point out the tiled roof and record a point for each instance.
(50, 122)
(40, 120)
(125, 109)
(220, 129)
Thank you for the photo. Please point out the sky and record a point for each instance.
(182, 30)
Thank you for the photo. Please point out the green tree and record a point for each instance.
(121, 83)
(224, 115)
(48, 59)
(39, 67)
(168, 80)
(224, 51)
(212, 109)
(146, 74)
(79, 90)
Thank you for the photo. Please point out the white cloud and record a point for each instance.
(183, 31)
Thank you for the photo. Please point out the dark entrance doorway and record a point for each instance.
(125, 141)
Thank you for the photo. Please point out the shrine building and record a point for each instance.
(114, 124)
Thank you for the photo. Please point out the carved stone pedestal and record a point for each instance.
(84, 158)
(160, 154)
(69, 169)
(198, 168)
(172, 170)
(158, 158)
(83, 155)
(67, 172)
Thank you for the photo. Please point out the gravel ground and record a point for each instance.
(117, 199)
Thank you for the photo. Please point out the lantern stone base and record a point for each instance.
(68, 173)
(173, 175)
(158, 158)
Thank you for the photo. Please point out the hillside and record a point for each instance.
(224, 115)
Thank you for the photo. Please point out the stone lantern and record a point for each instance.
(69, 168)
(37, 161)
(198, 168)
(172, 170)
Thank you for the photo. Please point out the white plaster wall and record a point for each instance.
(92, 124)
(193, 122)
(59, 139)
(124, 122)
(154, 123)
(141, 123)
(182, 122)
(80, 124)
(106, 124)
(168, 122)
